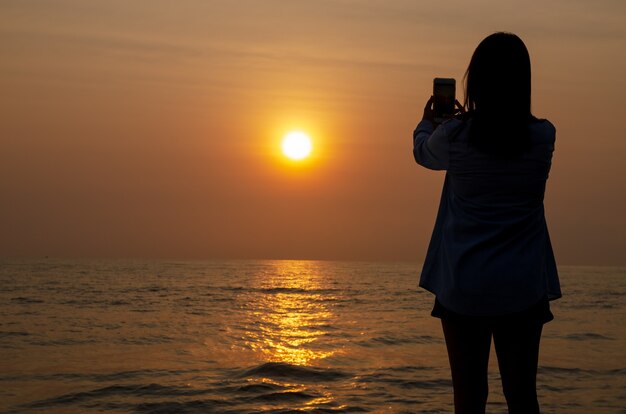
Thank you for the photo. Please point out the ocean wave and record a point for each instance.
(145, 340)
(62, 342)
(588, 336)
(109, 377)
(283, 370)
(285, 396)
(258, 388)
(186, 407)
(140, 390)
(430, 383)
(6, 334)
(580, 372)
(386, 340)
(111, 397)
(297, 290)
(26, 300)
(318, 410)
(276, 290)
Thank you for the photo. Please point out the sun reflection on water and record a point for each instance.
(291, 314)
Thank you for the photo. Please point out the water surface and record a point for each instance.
(274, 336)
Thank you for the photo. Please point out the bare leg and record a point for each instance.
(468, 351)
(517, 348)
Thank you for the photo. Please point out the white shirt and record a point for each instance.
(490, 251)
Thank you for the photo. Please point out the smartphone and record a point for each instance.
(444, 90)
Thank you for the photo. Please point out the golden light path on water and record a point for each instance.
(290, 318)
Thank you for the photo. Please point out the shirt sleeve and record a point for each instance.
(431, 146)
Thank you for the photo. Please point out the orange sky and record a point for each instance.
(150, 129)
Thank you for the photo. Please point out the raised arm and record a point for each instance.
(431, 142)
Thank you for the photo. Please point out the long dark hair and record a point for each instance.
(497, 95)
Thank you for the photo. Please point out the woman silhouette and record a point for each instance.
(490, 262)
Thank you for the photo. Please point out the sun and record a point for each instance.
(296, 145)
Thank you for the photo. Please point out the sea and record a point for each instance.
(275, 337)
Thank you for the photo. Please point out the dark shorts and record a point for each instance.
(540, 312)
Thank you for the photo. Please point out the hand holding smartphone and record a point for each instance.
(444, 90)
